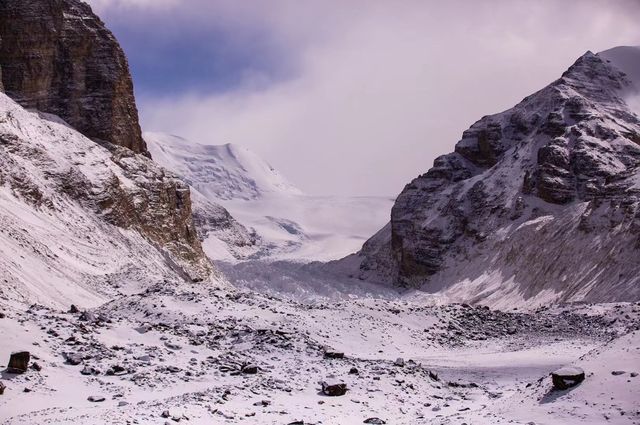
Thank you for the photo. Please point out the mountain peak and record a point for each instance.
(222, 172)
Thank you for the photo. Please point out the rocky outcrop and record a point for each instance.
(56, 56)
(533, 199)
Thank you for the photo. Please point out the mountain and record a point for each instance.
(81, 219)
(283, 222)
(81, 222)
(58, 57)
(537, 204)
(222, 172)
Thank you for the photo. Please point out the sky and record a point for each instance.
(350, 97)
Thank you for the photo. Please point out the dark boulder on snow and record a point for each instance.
(2, 388)
(96, 399)
(19, 362)
(73, 359)
(567, 377)
(375, 421)
(250, 369)
(334, 390)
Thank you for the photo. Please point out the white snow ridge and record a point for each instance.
(503, 290)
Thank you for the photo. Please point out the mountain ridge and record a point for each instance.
(566, 158)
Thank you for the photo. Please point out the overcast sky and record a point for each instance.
(350, 97)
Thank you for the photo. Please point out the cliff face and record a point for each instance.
(56, 56)
(541, 201)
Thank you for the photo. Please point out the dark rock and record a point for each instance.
(73, 309)
(19, 362)
(96, 399)
(331, 354)
(2, 388)
(567, 377)
(58, 57)
(263, 403)
(26, 390)
(354, 371)
(165, 414)
(250, 369)
(375, 421)
(2, 315)
(399, 362)
(296, 423)
(87, 316)
(618, 372)
(334, 390)
(73, 359)
(36, 366)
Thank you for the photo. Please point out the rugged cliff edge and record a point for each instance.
(538, 202)
(56, 56)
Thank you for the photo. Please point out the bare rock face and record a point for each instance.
(548, 186)
(56, 56)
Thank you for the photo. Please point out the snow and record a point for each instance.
(219, 172)
(291, 225)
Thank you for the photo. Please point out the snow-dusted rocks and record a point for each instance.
(76, 217)
(531, 205)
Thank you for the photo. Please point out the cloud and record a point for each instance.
(359, 97)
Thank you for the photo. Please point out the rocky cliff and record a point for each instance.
(56, 56)
(538, 202)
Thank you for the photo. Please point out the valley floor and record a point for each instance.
(201, 355)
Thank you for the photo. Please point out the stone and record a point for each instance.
(567, 377)
(334, 390)
(250, 369)
(73, 359)
(78, 72)
(399, 362)
(2, 388)
(375, 421)
(172, 345)
(353, 371)
(18, 362)
(633, 374)
(88, 370)
(96, 399)
(618, 372)
(165, 414)
(73, 309)
(36, 366)
(332, 354)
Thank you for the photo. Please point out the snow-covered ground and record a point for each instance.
(178, 352)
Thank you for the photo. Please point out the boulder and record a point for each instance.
(334, 390)
(19, 362)
(399, 362)
(96, 399)
(375, 421)
(72, 358)
(2, 388)
(250, 369)
(567, 377)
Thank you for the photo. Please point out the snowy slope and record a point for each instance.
(57, 245)
(219, 172)
(287, 223)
